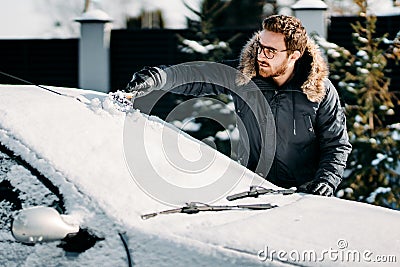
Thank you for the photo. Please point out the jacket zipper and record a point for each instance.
(311, 127)
(276, 128)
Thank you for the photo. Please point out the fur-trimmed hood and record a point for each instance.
(311, 70)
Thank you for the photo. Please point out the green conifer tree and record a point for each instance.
(204, 43)
(363, 83)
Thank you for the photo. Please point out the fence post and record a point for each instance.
(312, 15)
(94, 46)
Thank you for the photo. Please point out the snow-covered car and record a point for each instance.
(144, 193)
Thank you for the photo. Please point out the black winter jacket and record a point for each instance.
(298, 136)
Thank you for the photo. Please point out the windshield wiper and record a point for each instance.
(256, 191)
(196, 207)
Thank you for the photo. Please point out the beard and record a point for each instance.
(265, 70)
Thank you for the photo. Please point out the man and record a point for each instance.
(312, 144)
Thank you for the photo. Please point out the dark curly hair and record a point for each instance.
(295, 34)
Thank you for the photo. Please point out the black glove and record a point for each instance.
(146, 80)
(319, 187)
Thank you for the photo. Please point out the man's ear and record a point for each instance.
(295, 55)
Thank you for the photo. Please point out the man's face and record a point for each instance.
(278, 64)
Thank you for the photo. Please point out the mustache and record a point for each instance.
(262, 62)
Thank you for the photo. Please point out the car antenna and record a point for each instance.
(37, 85)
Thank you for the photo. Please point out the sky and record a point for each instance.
(109, 164)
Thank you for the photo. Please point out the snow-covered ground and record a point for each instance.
(112, 167)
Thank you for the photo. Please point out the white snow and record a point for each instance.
(379, 190)
(118, 159)
(187, 124)
(362, 70)
(379, 158)
(223, 135)
(229, 134)
(55, 19)
(333, 53)
(362, 53)
(196, 46)
(358, 118)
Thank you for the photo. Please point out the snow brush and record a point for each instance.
(124, 101)
(79, 98)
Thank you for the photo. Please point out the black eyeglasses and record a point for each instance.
(269, 52)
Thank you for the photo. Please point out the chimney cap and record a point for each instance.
(309, 5)
(94, 16)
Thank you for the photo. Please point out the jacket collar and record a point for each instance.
(311, 69)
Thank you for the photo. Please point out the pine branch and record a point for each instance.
(199, 14)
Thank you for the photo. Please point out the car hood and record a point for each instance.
(115, 157)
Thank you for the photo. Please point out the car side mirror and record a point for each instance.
(41, 224)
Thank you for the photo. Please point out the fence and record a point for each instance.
(55, 61)
(48, 62)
